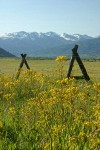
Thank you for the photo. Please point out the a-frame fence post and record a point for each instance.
(71, 62)
(76, 56)
(21, 64)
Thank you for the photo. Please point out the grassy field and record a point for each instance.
(10, 66)
(43, 110)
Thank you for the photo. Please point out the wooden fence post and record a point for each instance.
(21, 64)
(76, 56)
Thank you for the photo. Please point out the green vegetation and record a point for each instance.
(43, 110)
(47, 66)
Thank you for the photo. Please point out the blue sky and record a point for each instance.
(69, 16)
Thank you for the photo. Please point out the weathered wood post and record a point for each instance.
(76, 56)
(21, 64)
(72, 61)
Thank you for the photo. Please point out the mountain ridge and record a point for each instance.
(4, 53)
(23, 34)
(49, 44)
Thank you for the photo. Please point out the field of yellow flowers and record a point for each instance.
(42, 112)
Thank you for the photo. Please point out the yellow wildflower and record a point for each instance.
(11, 110)
(81, 134)
(61, 58)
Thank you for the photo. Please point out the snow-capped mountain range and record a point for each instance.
(49, 44)
(34, 35)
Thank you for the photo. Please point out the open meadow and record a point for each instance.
(43, 110)
(9, 66)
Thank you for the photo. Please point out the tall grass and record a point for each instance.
(44, 112)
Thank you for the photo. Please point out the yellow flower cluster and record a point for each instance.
(11, 110)
(61, 58)
(42, 112)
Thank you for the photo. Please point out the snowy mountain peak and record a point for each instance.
(79, 36)
(75, 37)
(13, 35)
(68, 37)
(34, 35)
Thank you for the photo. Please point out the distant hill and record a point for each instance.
(4, 53)
(87, 49)
(49, 44)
